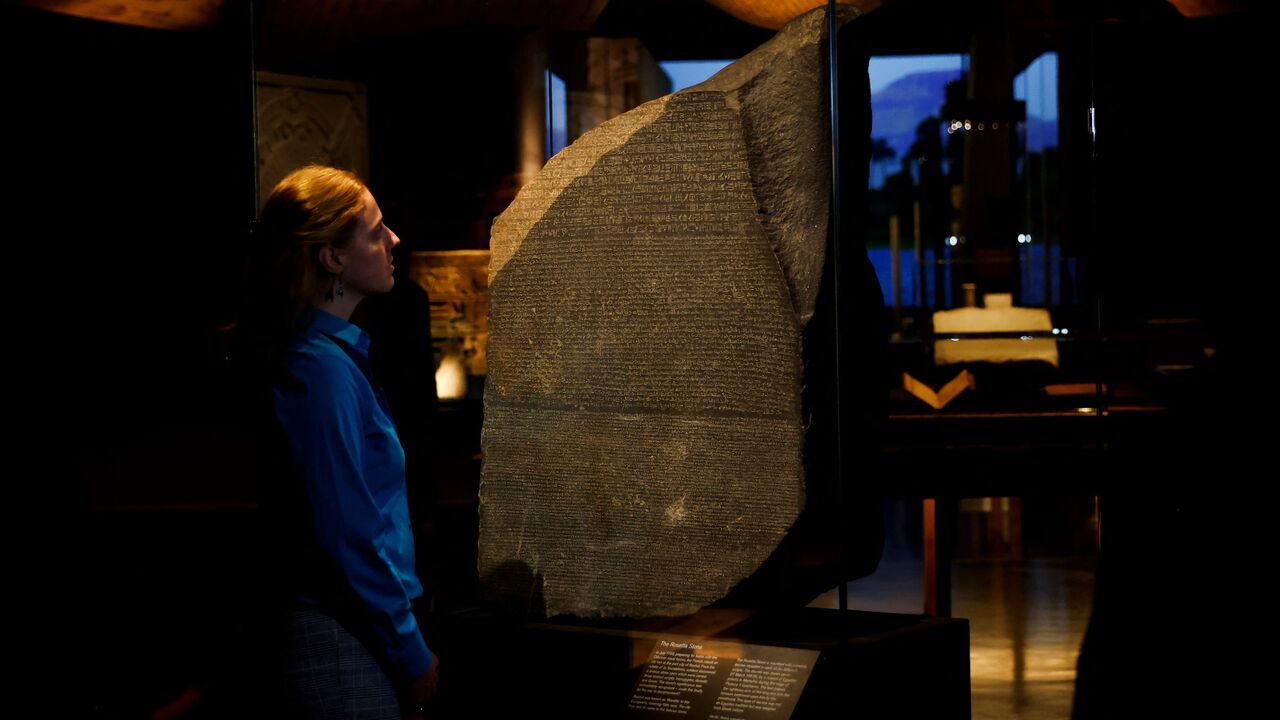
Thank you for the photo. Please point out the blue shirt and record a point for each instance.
(345, 451)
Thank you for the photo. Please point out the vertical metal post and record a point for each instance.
(251, 11)
(833, 78)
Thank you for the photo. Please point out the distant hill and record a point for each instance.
(899, 108)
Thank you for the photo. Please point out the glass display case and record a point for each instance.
(1024, 307)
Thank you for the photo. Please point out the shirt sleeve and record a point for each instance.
(324, 424)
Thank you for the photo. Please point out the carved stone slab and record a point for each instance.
(305, 120)
(643, 440)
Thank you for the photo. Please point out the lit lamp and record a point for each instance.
(155, 14)
(773, 14)
(1203, 8)
(451, 379)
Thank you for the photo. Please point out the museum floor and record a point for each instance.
(1027, 619)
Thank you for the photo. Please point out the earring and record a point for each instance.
(338, 289)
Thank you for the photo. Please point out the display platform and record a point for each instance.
(717, 664)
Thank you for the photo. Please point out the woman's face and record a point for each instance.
(366, 263)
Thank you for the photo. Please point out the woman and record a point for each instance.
(354, 646)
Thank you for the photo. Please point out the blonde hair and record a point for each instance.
(311, 208)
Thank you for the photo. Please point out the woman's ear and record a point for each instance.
(331, 259)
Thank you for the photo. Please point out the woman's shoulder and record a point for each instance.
(318, 358)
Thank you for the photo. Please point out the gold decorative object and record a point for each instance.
(942, 397)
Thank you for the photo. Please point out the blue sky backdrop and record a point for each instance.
(904, 90)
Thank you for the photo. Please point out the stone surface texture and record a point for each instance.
(643, 437)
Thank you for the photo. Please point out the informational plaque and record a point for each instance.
(704, 680)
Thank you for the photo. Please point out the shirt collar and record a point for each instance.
(336, 328)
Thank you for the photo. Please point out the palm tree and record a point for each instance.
(881, 155)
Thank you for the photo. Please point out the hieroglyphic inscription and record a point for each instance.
(643, 441)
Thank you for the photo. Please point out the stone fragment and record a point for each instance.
(643, 437)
